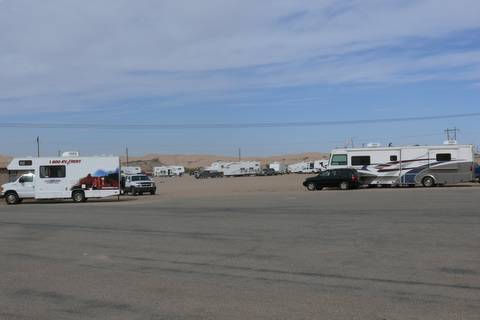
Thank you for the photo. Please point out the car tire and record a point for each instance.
(344, 185)
(428, 182)
(78, 196)
(133, 191)
(12, 198)
(311, 186)
(153, 192)
(140, 193)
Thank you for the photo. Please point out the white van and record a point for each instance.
(78, 178)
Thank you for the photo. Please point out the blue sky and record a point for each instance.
(219, 61)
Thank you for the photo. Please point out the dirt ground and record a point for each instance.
(189, 187)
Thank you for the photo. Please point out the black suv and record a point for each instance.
(342, 178)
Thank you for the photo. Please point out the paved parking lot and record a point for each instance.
(363, 254)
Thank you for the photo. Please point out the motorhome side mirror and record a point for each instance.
(21, 180)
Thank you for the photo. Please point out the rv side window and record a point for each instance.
(24, 163)
(360, 160)
(444, 156)
(52, 171)
(393, 158)
(339, 160)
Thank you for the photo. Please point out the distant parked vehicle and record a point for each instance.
(268, 172)
(477, 172)
(334, 178)
(205, 174)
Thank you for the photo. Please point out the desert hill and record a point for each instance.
(195, 161)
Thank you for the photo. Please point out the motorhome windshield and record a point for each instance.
(140, 178)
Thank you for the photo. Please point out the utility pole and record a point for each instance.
(239, 154)
(452, 133)
(126, 154)
(38, 146)
(59, 152)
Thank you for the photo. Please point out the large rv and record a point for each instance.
(78, 178)
(408, 166)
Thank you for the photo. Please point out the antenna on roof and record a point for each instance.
(451, 135)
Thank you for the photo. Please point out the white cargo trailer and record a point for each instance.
(410, 165)
(78, 178)
(302, 167)
(168, 171)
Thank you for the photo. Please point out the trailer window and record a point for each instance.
(24, 163)
(339, 160)
(393, 158)
(444, 156)
(52, 171)
(360, 160)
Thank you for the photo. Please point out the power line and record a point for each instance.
(241, 125)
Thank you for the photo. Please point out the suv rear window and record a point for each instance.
(339, 160)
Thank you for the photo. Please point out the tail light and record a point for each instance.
(471, 168)
(354, 177)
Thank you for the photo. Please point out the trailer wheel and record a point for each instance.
(428, 182)
(12, 198)
(311, 186)
(78, 196)
(344, 185)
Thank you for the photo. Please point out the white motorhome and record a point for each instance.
(168, 171)
(239, 168)
(131, 170)
(78, 178)
(408, 166)
(278, 167)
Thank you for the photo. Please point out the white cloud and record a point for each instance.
(58, 52)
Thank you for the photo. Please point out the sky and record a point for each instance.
(124, 62)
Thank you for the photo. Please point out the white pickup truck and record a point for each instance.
(138, 184)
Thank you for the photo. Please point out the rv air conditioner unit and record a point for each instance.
(71, 154)
(374, 145)
(450, 142)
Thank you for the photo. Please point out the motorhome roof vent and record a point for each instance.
(71, 154)
(374, 145)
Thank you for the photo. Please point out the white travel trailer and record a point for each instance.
(240, 168)
(78, 178)
(308, 166)
(302, 167)
(408, 166)
(279, 167)
(168, 171)
(131, 170)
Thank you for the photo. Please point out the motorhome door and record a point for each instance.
(51, 182)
